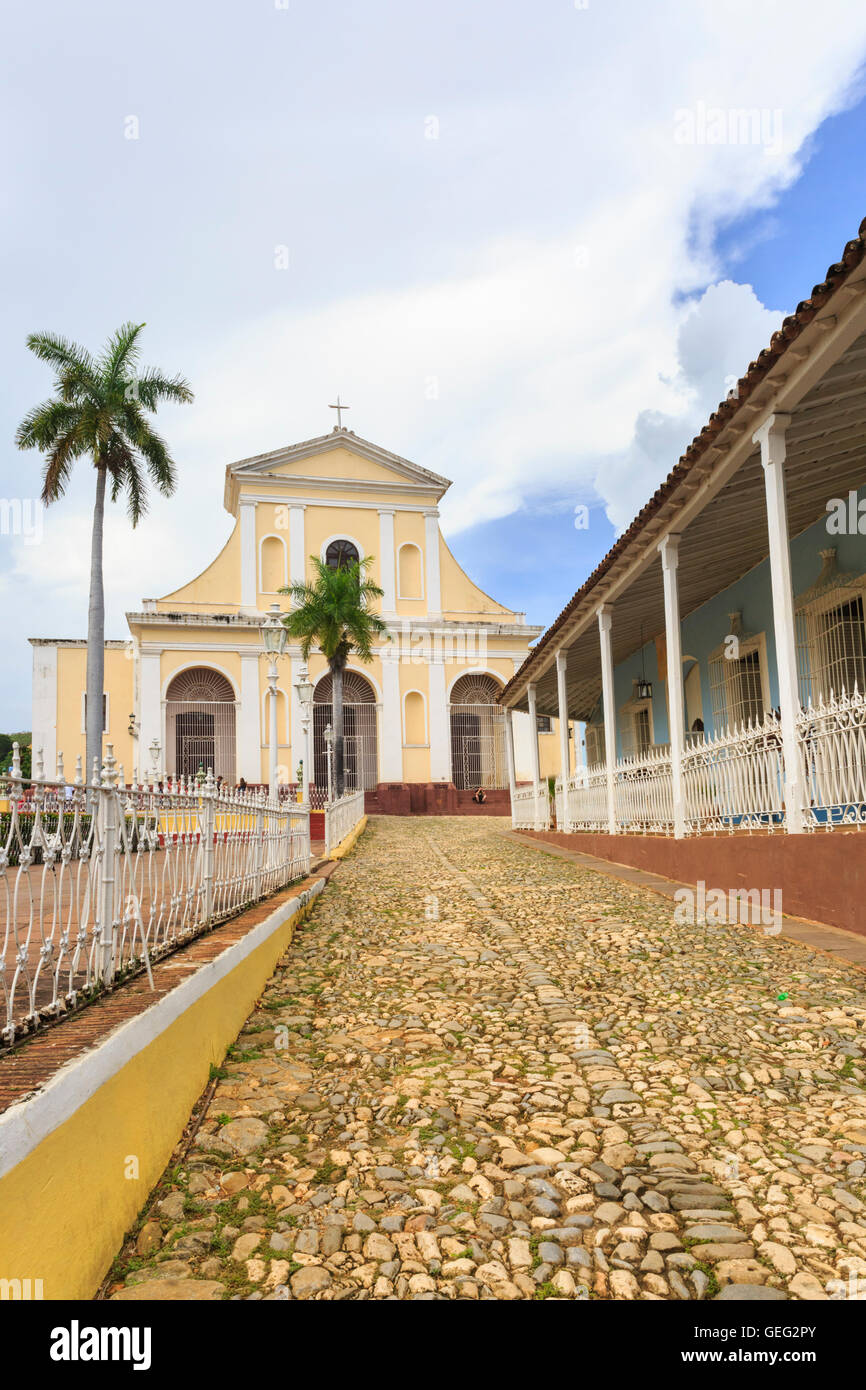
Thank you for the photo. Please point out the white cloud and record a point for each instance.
(719, 335)
(551, 348)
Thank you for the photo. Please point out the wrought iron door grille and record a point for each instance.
(477, 746)
(200, 734)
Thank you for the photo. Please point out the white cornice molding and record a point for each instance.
(307, 500)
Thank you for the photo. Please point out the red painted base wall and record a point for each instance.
(822, 876)
(433, 799)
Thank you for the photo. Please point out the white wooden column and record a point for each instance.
(249, 567)
(438, 722)
(533, 748)
(509, 756)
(562, 696)
(771, 438)
(669, 549)
(431, 550)
(249, 720)
(387, 570)
(391, 760)
(605, 617)
(297, 545)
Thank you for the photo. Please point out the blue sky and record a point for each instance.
(501, 249)
(535, 558)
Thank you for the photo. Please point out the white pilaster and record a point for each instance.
(391, 758)
(771, 438)
(431, 550)
(249, 720)
(439, 723)
(669, 549)
(150, 714)
(297, 545)
(562, 697)
(605, 619)
(533, 747)
(387, 561)
(249, 567)
(44, 733)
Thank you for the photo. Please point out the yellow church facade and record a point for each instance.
(188, 688)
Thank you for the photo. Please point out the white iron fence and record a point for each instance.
(643, 793)
(97, 881)
(586, 799)
(832, 739)
(735, 780)
(530, 808)
(341, 817)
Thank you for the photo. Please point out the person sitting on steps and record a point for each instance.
(479, 796)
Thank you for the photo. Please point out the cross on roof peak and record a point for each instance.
(339, 407)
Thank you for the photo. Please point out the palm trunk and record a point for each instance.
(95, 635)
(337, 711)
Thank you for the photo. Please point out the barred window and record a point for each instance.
(842, 647)
(636, 728)
(831, 634)
(544, 724)
(738, 684)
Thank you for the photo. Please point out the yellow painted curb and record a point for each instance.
(95, 1140)
(349, 842)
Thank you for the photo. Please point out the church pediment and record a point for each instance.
(334, 460)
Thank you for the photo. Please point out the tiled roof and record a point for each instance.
(781, 340)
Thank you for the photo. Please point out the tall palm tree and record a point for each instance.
(100, 412)
(333, 613)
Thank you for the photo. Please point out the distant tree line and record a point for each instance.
(23, 740)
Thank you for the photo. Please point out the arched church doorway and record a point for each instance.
(360, 749)
(477, 733)
(200, 724)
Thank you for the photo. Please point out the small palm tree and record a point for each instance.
(100, 412)
(333, 613)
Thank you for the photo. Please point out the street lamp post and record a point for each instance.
(304, 689)
(274, 636)
(329, 745)
(155, 749)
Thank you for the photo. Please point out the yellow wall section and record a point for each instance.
(67, 1205)
(118, 684)
(362, 526)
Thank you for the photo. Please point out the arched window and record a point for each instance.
(477, 733)
(341, 553)
(410, 583)
(414, 720)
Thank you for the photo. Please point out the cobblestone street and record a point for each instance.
(485, 1072)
